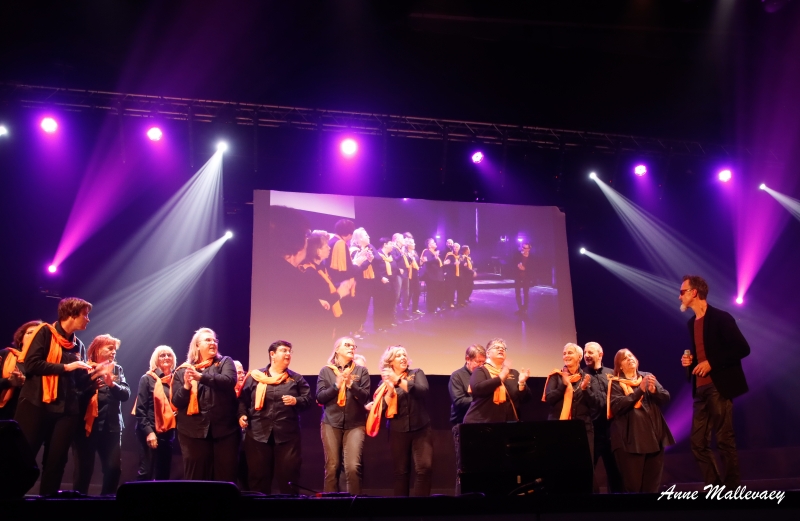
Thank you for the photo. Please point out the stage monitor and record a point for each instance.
(448, 304)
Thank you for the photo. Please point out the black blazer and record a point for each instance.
(216, 397)
(483, 409)
(460, 399)
(145, 407)
(109, 403)
(725, 346)
(643, 430)
(275, 418)
(353, 413)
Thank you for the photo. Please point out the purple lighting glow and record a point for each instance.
(640, 170)
(52, 268)
(477, 157)
(155, 134)
(348, 147)
(49, 125)
(739, 300)
(725, 175)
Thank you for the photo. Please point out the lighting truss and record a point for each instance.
(365, 123)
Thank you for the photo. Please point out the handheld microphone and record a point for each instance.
(688, 368)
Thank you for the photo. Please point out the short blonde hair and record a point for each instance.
(576, 347)
(157, 352)
(100, 341)
(194, 345)
(390, 354)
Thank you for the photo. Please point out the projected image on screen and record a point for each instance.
(432, 276)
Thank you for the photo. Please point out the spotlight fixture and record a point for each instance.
(725, 175)
(348, 147)
(583, 251)
(155, 134)
(762, 186)
(52, 268)
(228, 234)
(640, 170)
(477, 157)
(592, 176)
(739, 300)
(49, 125)
(3, 131)
(222, 146)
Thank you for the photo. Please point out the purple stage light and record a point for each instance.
(3, 131)
(725, 175)
(739, 300)
(640, 170)
(49, 125)
(477, 157)
(52, 268)
(348, 147)
(762, 186)
(155, 134)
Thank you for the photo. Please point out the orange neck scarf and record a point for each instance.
(339, 255)
(414, 265)
(162, 406)
(566, 408)
(92, 410)
(9, 364)
(626, 388)
(435, 257)
(499, 393)
(57, 342)
(342, 399)
(378, 400)
(264, 380)
(368, 273)
(194, 407)
(337, 306)
(468, 262)
(455, 260)
(388, 260)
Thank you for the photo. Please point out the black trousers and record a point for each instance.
(522, 292)
(55, 432)
(416, 445)
(107, 445)
(457, 445)
(265, 460)
(155, 463)
(383, 308)
(640, 472)
(602, 449)
(210, 459)
(413, 290)
(711, 412)
(433, 298)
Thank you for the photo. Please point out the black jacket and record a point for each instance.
(643, 430)
(599, 387)
(71, 385)
(411, 412)
(460, 399)
(584, 403)
(483, 409)
(725, 346)
(109, 403)
(145, 407)
(216, 397)
(431, 270)
(275, 418)
(353, 413)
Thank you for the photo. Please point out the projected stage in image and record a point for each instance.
(432, 276)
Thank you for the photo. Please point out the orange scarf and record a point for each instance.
(92, 410)
(194, 407)
(455, 260)
(566, 408)
(264, 380)
(468, 261)
(434, 257)
(378, 400)
(9, 364)
(388, 261)
(337, 306)
(57, 342)
(368, 273)
(162, 406)
(499, 393)
(342, 399)
(339, 255)
(626, 388)
(414, 265)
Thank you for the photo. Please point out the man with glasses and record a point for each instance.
(717, 378)
(522, 267)
(461, 395)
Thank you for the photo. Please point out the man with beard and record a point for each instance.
(593, 356)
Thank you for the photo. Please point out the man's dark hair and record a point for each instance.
(288, 229)
(72, 307)
(408, 235)
(344, 227)
(273, 347)
(384, 240)
(697, 282)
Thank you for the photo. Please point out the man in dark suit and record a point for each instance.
(717, 378)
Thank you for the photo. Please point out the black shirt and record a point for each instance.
(145, 406)
(7, 411)
(483, 409)
(216, 398)
(411, 412)
(642, 430)
(71, 384)
(460, 399)
(109, 403)
(599, 387)
(353, 414)
(584, 403)
(275, 418)
(431, 270)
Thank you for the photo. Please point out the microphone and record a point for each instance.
(688, 368)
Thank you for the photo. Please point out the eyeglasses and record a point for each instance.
(347, 344)
(685, 290)
(499, 348)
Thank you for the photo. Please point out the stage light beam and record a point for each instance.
(49, 125)
(3, 131)
(791, 204)
(155, 134)
(229, 235)
(739, 300)
(593, 176)
(762, 186)
(222, 146)
(52, 268)
(583, 251)
(477, 157)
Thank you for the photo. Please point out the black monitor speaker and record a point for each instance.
(18, 469)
